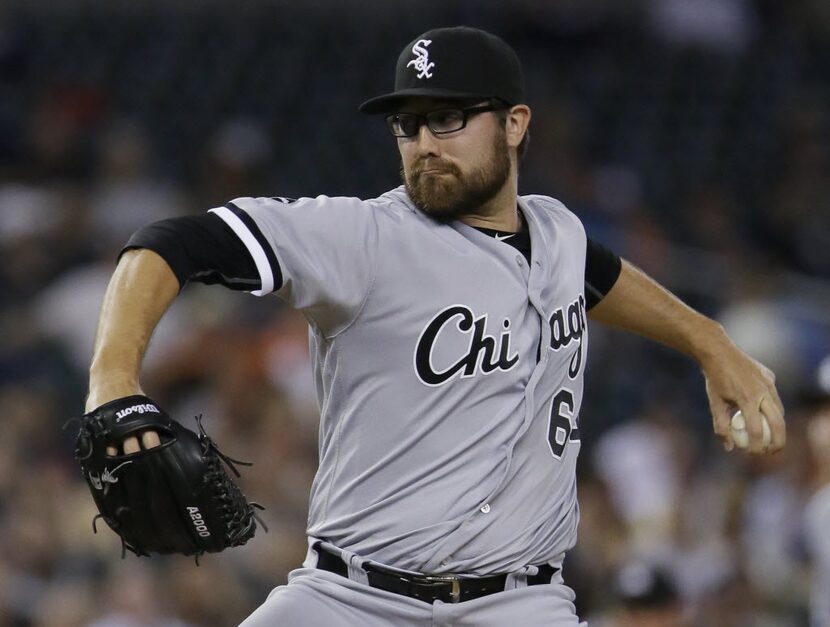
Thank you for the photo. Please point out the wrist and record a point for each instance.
(107, 387)
(710, 338)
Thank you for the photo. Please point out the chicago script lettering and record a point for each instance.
(484, 353)
(567, 325)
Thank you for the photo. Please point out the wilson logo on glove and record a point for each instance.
(136, 409)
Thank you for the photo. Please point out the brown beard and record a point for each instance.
(449, 197)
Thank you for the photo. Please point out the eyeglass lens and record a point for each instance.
(440, 121)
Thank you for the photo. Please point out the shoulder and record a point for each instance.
(546, 204)
(552, 210)
(393, 201)
(281, 203)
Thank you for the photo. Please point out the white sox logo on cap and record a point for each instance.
(421, 60)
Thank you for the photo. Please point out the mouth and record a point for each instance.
(433, 167)
(435, 170)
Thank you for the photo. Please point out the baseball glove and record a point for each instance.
(172, 498)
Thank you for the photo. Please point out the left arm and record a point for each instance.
(638, 304)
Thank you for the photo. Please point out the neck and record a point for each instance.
(500, 213)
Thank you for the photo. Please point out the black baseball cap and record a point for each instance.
(456, 63)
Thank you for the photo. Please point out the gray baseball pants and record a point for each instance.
(318, 598)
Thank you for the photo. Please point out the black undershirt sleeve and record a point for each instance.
(200, 248)
(602, 269)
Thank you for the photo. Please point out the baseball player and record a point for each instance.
(448, 332)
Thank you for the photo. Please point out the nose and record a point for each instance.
(426, 142)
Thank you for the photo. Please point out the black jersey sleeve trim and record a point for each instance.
(200, 248)
(258, 246)
(602, 269)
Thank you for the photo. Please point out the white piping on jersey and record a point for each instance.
(254, 247)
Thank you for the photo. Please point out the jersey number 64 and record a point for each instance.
(562, 423)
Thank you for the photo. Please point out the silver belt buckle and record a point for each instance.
(455, 592)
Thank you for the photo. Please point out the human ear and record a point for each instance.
(518, 119)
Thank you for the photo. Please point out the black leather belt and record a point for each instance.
(429, 588)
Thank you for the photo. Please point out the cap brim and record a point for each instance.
(390, 102)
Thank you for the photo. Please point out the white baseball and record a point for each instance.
(740, 436)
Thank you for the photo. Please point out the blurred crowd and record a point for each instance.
(691, 136)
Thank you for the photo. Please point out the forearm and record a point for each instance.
(734, 380)
(638, 304)
(140, 291)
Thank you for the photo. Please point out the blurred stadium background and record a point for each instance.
(692, 136)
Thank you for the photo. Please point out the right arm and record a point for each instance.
(227, 246)
(140, 291)
(157, 261)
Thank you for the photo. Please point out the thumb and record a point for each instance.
(721, 417)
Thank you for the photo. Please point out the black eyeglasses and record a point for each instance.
(440, 121)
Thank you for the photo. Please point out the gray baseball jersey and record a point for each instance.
(817, 522)
(449, 372)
